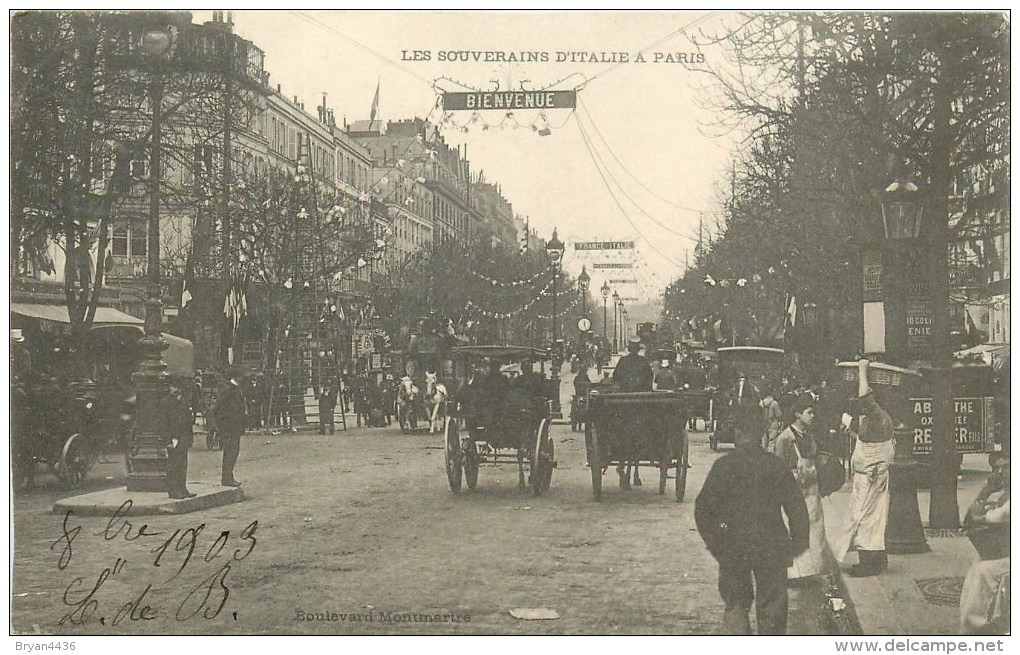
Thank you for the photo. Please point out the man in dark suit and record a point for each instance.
(230, 421)
(178, 420)
(739, 514)
(633, 372)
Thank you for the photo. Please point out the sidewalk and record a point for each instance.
(919, 594)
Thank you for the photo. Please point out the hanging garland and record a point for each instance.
(516, 283)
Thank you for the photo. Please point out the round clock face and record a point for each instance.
(584, 325)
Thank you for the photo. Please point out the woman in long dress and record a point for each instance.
(798, 449)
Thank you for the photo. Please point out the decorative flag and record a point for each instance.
(375, 105)
(791, 311)
(186, 296)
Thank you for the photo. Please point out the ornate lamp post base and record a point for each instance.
(904, 534)
(148, 456)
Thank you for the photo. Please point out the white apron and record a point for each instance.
(812, 560)
(869, 500)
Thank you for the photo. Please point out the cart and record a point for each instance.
(698, 400)
(645, 428)
(507, 431)
(747, 370)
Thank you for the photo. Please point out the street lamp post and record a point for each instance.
(583, 282)
(605, 320)
(616, 322)
(625, 335)
(554, 250)
(902, 209)
(148, 453)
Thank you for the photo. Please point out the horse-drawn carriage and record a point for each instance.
(637, 429)
(698, 399)
(746, 373)
(486, 418)
(73, 401)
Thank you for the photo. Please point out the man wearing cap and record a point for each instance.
(633, 372)
(230, 421)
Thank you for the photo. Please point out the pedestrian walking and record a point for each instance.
(869, 498)
(178, 420)
(327, 403)
(797, 447)
(230, 421)
(773, 420)
(739, 514)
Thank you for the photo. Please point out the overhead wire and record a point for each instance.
(612, 194)
(671, 35)
(638, 206)
(624, 167)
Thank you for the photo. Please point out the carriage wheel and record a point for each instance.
(664, 462)
(543, 459)
(453, 455)
(75, 460)
(591, 444)
(681, 467)
(471, 462)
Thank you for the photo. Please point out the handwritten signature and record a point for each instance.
(206, 599)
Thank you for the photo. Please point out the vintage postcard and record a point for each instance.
(496, 322)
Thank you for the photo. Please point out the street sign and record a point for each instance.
(614, 265)
(510, 100)
(623, 281)
(604, 245)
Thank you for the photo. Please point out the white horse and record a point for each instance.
(407, 400)
(435, 393)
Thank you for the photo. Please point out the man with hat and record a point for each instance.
(230, 422)
(179, 422)
(633, 372)
(665, 379)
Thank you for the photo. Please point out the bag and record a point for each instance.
(990, 541)
(831, 473)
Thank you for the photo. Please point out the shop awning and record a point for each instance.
(58, 314)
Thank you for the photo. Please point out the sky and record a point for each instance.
(662, 152)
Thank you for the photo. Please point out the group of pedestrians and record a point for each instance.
(774, 472)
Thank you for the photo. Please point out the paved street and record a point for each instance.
(363, 523)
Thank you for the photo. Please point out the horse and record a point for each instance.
(435, 395)
(407, 401)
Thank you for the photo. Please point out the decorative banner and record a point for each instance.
(604, 245)
(621, 281)
(510, 100)
(614, 265)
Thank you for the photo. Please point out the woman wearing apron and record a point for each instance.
(797, 448)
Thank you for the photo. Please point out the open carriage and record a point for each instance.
(493, 422)
(73, 399)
